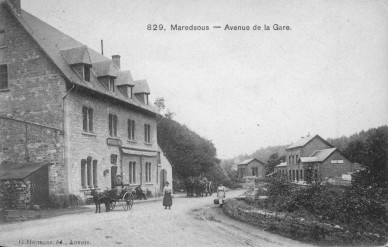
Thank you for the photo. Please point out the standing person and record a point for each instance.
(221, 194)
(119, 185)
(167, 198)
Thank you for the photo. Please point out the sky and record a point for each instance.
(244, 90)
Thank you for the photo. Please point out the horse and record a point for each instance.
(200, 187)
(197, 185)
(190, 186)
(209, 188)
(101, 197)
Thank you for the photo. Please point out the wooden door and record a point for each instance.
(113, 173)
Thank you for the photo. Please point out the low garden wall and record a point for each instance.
(15, 194)
(299, 228)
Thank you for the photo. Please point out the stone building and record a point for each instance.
(313, 156)
(281, 168)
(251, 169)
(73, 110)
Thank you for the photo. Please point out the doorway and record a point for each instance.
(163, 178)
(40, 187)
(113, 173)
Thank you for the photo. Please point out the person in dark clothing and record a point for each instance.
(167, 196)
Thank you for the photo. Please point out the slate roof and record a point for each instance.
(247, 161)
(54, 43)
(124, 78)
(77, 55)
(141, 86)
(105, 68)
(308, 159)
(283, 164)
(303, 141)
(18, 171)
(318, 156)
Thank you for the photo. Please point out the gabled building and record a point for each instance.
(304, 147)
(251, 168)
(73, 110)
(314, 156)
(329, 163)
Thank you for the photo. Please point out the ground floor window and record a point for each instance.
(95, 173)
(83, 172)
(148, 171)
(89, 173)
(255, 171)
(132, 172)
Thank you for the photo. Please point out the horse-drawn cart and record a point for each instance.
(113, 198)
(125, 199)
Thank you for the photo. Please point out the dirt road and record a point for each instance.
(190, 222)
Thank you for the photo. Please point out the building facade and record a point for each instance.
(66, 105)
(251, 168)
(312, 157)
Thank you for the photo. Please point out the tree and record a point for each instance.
(273, 161)
(355, 151)
(159, 104)
(376, 148)
(161, 107)
(191, 154)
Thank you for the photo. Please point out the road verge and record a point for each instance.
(299, 228)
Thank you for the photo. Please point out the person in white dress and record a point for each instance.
(221, 194)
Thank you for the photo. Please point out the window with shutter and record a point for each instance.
(2, 38)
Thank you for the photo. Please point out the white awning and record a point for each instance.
(139, 153)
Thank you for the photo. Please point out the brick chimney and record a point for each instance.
(15, 5)
(116, 60)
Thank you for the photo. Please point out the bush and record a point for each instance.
(362, 206)
(280, 192)
(231, 184)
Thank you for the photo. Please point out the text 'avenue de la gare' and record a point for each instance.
(227, 27)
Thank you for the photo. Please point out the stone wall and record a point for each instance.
(299, 228)
(23, 142)
(34, 95)
(35, 85)
(15, 194)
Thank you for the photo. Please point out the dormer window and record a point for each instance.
(78, 58)
(86, 73)
(125, 83)
(111, 84)
(141, 90)
(146, 99)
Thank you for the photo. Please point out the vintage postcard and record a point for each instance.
(193, 123)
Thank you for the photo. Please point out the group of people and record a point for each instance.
(167, 193)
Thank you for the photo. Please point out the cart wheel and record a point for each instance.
(112, 205)
(128, 201)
